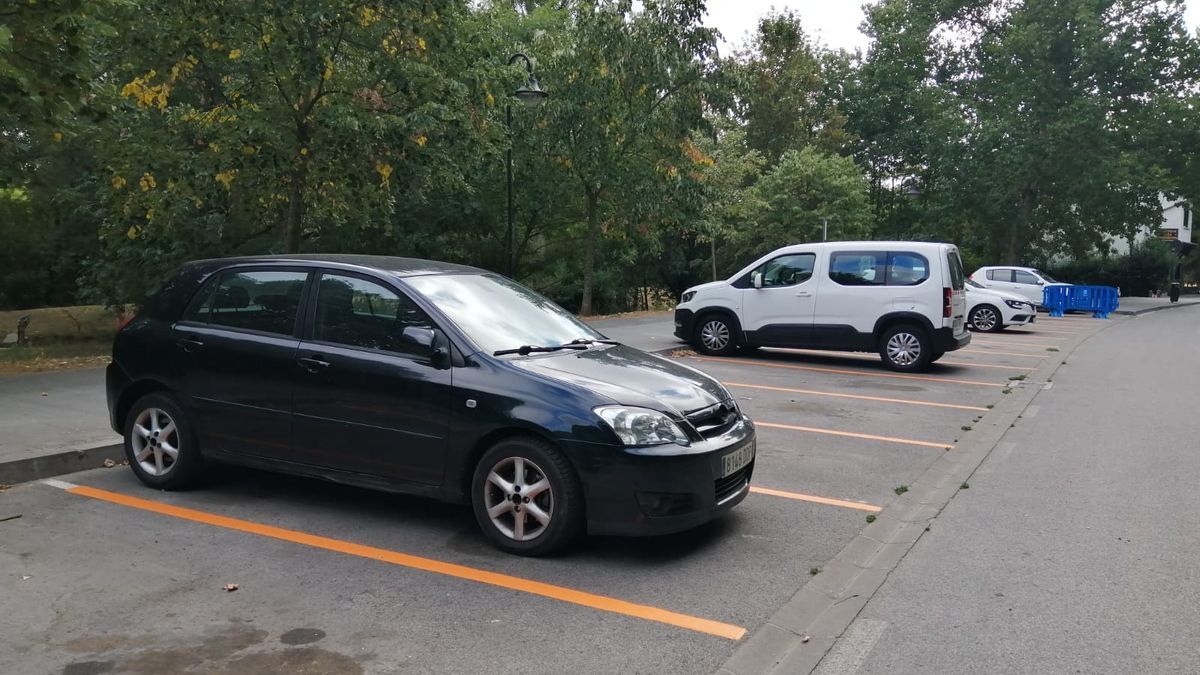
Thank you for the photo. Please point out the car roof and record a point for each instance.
(865, 245)
(1008, 267)
(404, 267)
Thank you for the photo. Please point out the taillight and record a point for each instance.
(947, 294)
(125, 322)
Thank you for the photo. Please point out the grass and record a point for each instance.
(1017, 377)
(966, 428)
(59, 338)
(1051, 349)
(1006, 390)
(965, 486)
(990, 406)
(900, 489)
(814, 571)
(871, 518)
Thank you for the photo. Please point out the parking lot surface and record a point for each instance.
(111, 577)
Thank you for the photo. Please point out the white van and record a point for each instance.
(902, 299)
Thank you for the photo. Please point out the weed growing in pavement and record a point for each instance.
(967, 428)
(814, 571)
(1017, 377)
(871, 518)
(990, 406)
(1051, 349)
(965, 486)
(1006, 390)
(901, 489)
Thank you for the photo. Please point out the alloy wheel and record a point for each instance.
(904, 349)
(984, 319)
(155, 440)
(715, 335)
(518, 498)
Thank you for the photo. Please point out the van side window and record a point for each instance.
(858, 268)
(787, 270)
(907, 269)
(264, 301)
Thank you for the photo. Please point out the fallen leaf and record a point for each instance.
(26, 577)
(45, 393)
(230, 587)
(804, 638)
(108, 464)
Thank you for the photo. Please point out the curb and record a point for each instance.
(47, 466)
(805, 628)
(1139, 312)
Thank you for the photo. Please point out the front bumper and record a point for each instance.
(945, 341)
(643, 495)
(684, 323)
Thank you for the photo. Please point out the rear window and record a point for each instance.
(956, 270)
(878, 268)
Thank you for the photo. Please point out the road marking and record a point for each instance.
(60, 484)
(816, 500)
(851, 434)
(858, 373)
(1001, 343)
(988, 350)
(860, 397)
(599, 602)
(1024, 330)
(852, 648)
(860, 357)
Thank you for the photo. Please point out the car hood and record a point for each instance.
(701, 287)
(630, 376)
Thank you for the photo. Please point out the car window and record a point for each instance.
(1000, 275)
(264, 301)
(907, 269)
(360, 313)
(1023, 277)
(858, 268)
(787, 270)
(201, 304)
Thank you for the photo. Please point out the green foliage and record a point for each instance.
(1147, 268)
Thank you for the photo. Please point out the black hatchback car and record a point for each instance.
(426, 378)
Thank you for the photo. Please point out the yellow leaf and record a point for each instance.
(385, 173)
(235, 54)
(118, 182)
(58, 137)
(491, 100)
(328, 69)
(150, 216)
(303, 151)
(147, 182)
(421, 43)
(265, 39)
(225, 177)
(420, 140)
(132, 232)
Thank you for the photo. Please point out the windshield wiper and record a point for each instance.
(526, 350)
(590, 341)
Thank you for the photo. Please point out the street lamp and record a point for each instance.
(532, 95)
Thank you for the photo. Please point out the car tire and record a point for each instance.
(905, 348)
(715, 335)
(160, 445)
(505, 514)
(986, 319)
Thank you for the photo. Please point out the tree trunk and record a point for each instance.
(1015, 241)
(295, 210)
(589, 256)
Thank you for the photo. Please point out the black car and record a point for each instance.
(426, 378)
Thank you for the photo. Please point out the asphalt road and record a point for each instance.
(1074, 550)
(112, 577)
(44, 413)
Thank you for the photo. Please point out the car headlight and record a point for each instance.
(687, 296)
(641, 426)
(1015, 304)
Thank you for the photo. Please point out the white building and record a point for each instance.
(1176, 225)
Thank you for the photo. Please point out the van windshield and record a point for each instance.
(497, 313)
(956, 270)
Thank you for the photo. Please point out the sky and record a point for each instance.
(833, 22)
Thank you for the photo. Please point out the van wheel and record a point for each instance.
(905, 348)
(526, 497)
(160, 445)
(985, 318)
(715, 335)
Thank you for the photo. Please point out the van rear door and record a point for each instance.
(956, 316)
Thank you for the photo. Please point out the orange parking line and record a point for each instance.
(1018, 343)
(989, 351)
(852, 355)
(858, 373)
(850, 434)
(600, 602)
(816, 500)
(859, 397)
(983, 365)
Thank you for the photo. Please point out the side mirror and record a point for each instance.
(1039, 282)
(756, 279)
(426, 339)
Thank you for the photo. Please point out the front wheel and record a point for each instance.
(905, 348)
(526, 497)
(986, 318)
(715, 335)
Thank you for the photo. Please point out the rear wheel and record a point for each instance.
(159, 443)
(986, 318)
(526, 497)
(715, 335)
(905, 348)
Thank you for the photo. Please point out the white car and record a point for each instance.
(990, 310)
(903, 299)
(1026, 282)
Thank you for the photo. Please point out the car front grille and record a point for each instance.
(715, 419)
(732, 484)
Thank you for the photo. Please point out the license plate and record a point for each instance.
(737, 460)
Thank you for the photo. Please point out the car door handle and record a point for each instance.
(189, 344)
(312, 364)
(804, 294)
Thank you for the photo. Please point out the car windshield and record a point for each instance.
(1045, 277)
(497, 313)
(974, 284)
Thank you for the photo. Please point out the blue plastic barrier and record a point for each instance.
(1099, 300)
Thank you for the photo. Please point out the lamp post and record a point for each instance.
(532, 95)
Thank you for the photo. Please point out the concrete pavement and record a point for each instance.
(1074, 548)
